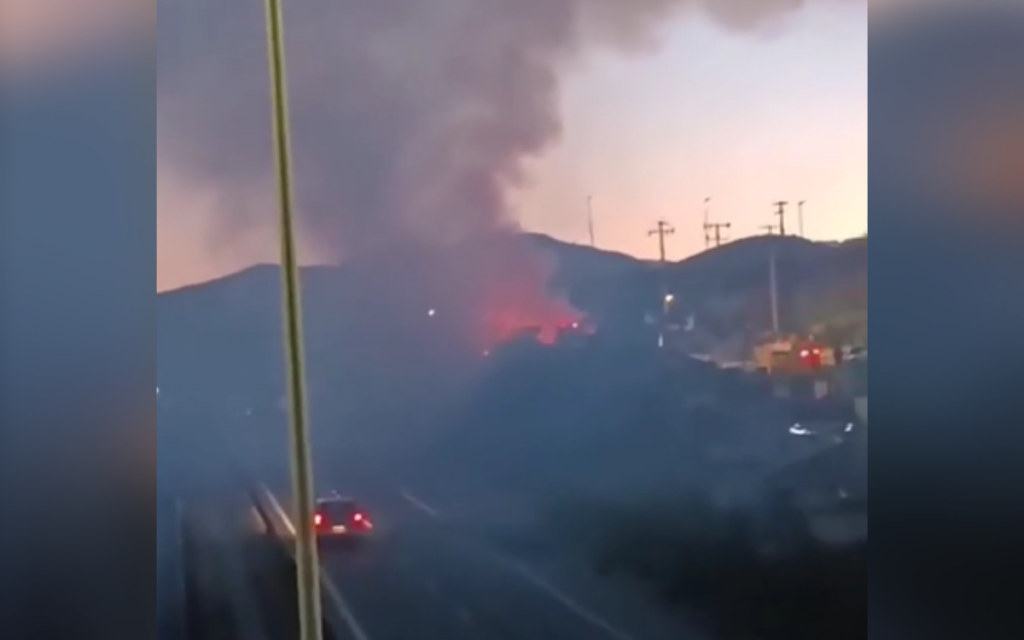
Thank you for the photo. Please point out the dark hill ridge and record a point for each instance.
(818, 283)
(594, 279)
(234, 322)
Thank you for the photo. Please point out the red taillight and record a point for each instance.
(361, 520)
(811, 357)
(318, 519)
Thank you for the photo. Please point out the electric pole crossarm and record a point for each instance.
(780, 212)
(661, 229)
(715, 236)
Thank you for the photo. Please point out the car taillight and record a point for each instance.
(361, 520)
(318, 519)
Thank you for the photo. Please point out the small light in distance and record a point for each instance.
(799, 430)
(431, 313)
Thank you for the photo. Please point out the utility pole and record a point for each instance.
(773, 275)
(307, 559)
(773, 272)
(800, 216)
(714, 230)
(590, 220)
(662, 229)
(781, 214)
(773, 284)
(707, 223)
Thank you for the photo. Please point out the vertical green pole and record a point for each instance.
(302, 474)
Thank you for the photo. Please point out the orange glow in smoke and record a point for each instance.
(517, 303)
(498, 289)
(510, 318)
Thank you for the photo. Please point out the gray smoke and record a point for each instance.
(411, 119)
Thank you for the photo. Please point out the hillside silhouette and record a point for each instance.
(233, 325)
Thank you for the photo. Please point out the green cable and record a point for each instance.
(308, 576)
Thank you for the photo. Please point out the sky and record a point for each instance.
(746, 118)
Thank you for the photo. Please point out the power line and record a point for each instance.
(662, 229)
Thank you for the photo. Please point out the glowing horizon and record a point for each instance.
(744, 119)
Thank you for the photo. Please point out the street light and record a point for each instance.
(666, 307)
(307, 562)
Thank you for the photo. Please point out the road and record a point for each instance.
(435, 570)
(428, 576)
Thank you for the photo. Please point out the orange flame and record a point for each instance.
(517, 303)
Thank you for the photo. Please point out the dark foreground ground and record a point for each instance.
(739, 581)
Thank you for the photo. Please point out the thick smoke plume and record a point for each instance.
(412, 120)
(410, 117)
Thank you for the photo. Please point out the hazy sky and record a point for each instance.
(746, 119)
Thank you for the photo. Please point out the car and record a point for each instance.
(340, 521)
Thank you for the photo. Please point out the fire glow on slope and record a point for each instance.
(515, 313)
(520, 304)
(502, 285)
